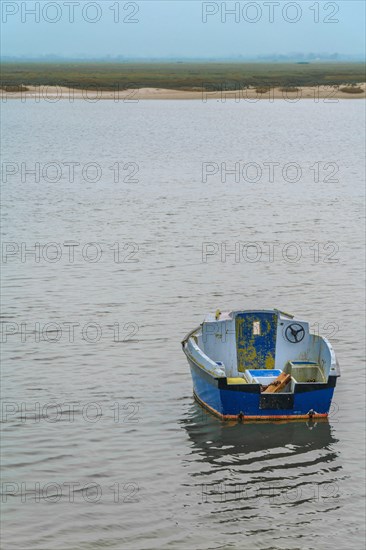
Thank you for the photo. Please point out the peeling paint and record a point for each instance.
(256, 351)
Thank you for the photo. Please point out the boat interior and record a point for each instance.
(262, 347)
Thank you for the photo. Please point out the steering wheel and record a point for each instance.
(295, 333)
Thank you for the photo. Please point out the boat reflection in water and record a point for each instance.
(217, 437)
(252, 466)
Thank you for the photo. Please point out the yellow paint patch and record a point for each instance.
(270, 362)
(236, 381)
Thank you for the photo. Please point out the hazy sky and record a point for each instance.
(176, 28)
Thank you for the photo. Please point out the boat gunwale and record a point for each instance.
(300, 387)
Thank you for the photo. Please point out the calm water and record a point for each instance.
(103, 445)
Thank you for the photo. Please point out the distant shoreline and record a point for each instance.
(200, 81)
(53, 94)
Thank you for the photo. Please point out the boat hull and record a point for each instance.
(245, 401)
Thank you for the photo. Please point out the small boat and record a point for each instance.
(261, 365)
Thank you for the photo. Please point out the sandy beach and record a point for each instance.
(56, 93)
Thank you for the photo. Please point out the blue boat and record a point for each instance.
(261, 365)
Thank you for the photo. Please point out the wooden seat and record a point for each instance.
(277, 385)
